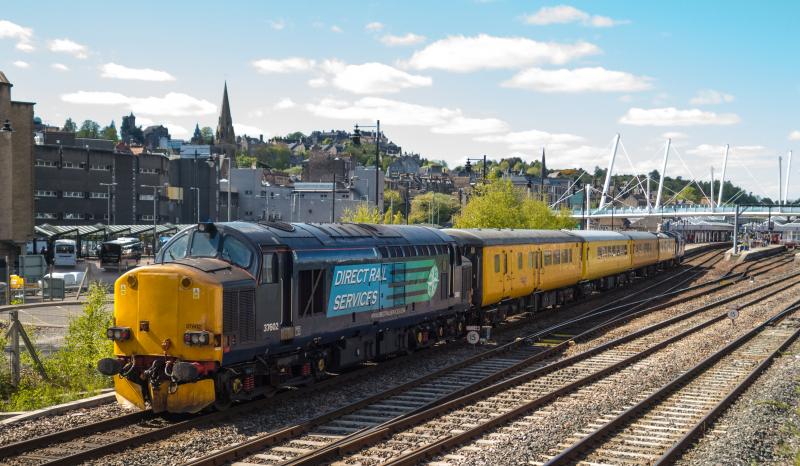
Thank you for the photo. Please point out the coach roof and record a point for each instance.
(490, 237)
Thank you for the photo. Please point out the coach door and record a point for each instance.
(507, 278)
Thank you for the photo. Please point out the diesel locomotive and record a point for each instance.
(233, 311)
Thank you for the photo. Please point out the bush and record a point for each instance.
(71, 369)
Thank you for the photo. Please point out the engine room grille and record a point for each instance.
(238, 314)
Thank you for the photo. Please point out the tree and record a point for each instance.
(498, 204)
(296, 136)
(362, 214)
(392, 200)
(433, 208)
(70, 126)
(244, 161)
(273, 155)
(688, 194)
(208, 135)
(110, 132)
(89, 129)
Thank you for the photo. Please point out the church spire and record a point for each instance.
(225, 133)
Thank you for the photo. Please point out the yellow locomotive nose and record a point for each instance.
(166, 317)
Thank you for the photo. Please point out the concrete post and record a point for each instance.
(13, 318)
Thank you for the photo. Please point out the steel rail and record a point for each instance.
(569, 455)
(361, 437)
(51, 439)
(417, 455)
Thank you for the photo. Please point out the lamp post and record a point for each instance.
(333, 192)
(197, 190)
(155, 189)
(108, 198)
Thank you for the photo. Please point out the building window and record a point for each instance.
(102, 168)
(98, 195)
(148, 171)
(262, 194)
(73, 216)
(248, 193)
(146, 197)
(45, 163)
(146, 217)
(46, 215)
(72, 165)
(45, 193)
(74, 194)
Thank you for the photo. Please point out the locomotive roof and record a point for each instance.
(595, 235)
(490, 237)
(314, 235)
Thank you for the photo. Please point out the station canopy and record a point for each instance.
(104, 231)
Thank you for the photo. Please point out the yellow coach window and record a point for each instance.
(519, 260)
(497, 263)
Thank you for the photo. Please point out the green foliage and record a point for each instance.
(110, 132)
(70, 126)
(274, 156)
(208, 135)
(244, 161)
(89, 129)
(72, 369)
(433, 208)
(689, 194)
(362, 214)
(498, 204)
(392, 200)
(295, 170)
(296, 136)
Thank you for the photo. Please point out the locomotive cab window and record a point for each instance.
(177, 250)
(269, 268)
(205, 243)
(235, 252)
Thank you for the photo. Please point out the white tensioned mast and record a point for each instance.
(788, 173)
(722, 176)
(609, 172)
(663, 174)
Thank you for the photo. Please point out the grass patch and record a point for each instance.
(775, 404)
(71, 369)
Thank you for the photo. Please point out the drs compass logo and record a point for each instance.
(371, 287)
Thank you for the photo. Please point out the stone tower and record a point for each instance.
(225, 136)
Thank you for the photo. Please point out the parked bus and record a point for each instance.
(120, 254)
(64, 254)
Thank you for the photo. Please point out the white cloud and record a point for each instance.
(596, 79)
(277, 24)
(464, 54)
(115, 71)
(374, 26)
(371, 78)
(563, 14)
(317, 82)
(172, 104)
(177, 131)
(59, 67)
(408, 39)
(711, 97)
(533, 139)
(462, 125)
(69, 47)
(336, 29)
(399, 113)
(674, 135)
(748, 154)
(284, 104)
(794, 135)
(21, 34)
(671, 116)
(22, 64)
(285, 65)
(242, 129)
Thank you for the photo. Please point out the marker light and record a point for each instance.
(196, 338)
(118, 333)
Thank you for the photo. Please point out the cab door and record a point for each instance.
(271, 298)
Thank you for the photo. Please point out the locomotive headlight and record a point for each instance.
(118, 333)
(196, 338)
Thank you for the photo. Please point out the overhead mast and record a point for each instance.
(609, 171)
(663, 174)
(722, 177)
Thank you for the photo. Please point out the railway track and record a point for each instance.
(324, 438)
(97, 439)
(659, 428)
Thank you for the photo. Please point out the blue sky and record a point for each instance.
(447, 79)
